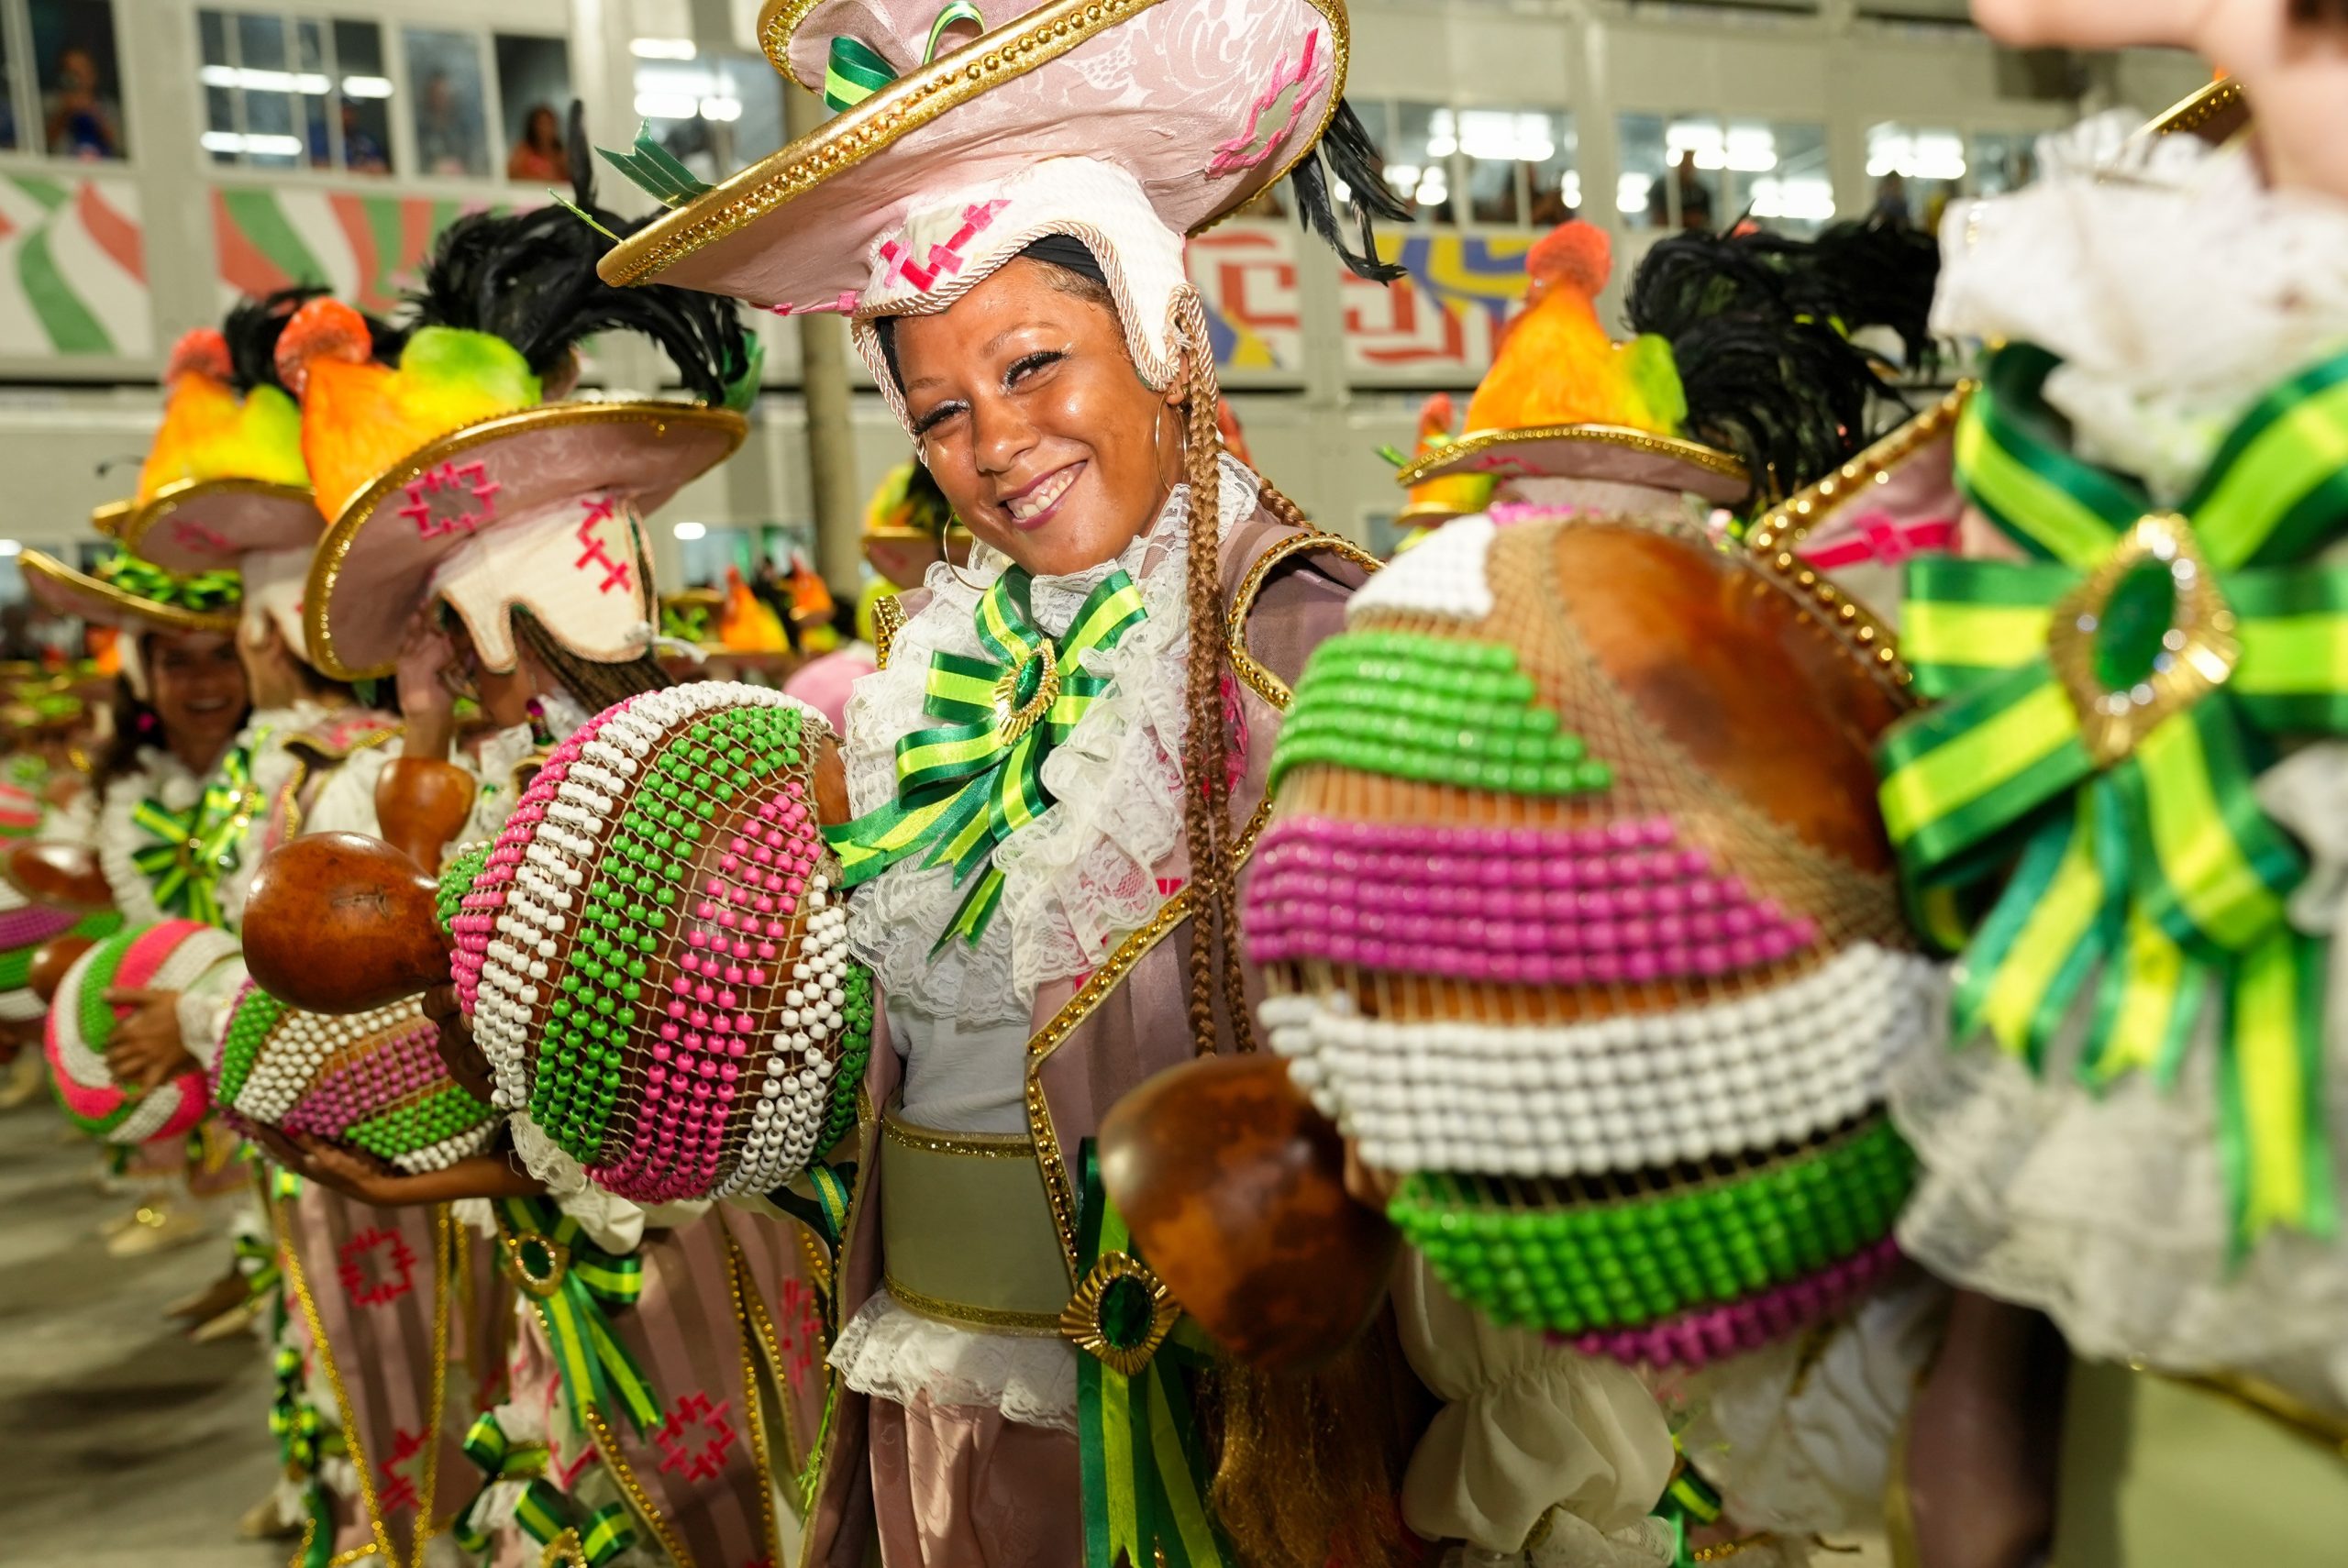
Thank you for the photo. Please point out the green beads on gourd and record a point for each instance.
(257, 1012)
(1575, 1268)
(456, 880)
(1432, 710)
(856, 1051)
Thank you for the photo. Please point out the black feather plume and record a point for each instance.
(1761, 326)
(252, 329)
(530, 279)
(1353, 159)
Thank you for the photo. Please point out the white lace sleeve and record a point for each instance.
(493, 764)
(204, 1008)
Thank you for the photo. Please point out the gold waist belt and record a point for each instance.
(968, 1230)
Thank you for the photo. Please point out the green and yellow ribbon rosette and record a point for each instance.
(570, 1282)
(543, 1512)
(969, 783)
(2104, 706)
(191, 851)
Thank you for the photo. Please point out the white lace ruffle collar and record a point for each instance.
(2173, 284)
(164, 779)
(1084, 874)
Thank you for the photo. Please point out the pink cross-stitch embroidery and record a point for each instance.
(945, 259)
(700, 1458)
(801, 1331)
(188, 531)
(1248, 150)
(376, 1266)
(453, 498)
(615, 573)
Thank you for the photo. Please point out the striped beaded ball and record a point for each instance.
(1578, 920)
(370, 1080)
(653, 955)
(167, 957)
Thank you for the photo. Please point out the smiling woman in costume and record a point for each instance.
(1055, 774)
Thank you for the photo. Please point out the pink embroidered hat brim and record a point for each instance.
(1204, 102)
(1601, 453)
(397, 544)
(197, 525)
(67, 591)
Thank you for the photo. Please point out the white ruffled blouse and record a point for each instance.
(1076, 881)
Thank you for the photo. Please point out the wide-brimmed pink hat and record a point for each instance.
(1592, 455)
(134, 596)
(451, 477)
(1204, 102)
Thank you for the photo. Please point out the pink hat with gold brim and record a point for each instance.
(1596, 453)
(1203, 103)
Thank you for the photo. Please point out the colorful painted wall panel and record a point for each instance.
(1248, 276)
(1437, 324)
(364, 246)
(73, 269)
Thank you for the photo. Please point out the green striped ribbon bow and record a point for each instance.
(570, 1281)
(855, 69)
(2106, 705)
(1137, 1438)
(544, 1511)
(196, 847)
(970, 782)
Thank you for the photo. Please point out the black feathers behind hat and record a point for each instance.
(1761, 326)
(1355, 162)
(530, 279)
(254, 325)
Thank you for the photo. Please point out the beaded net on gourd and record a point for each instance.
(372, 1080)
(169, 955)
(1620, 1032)
(653, 955)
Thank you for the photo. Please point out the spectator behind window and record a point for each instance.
(442, 145)
(81, 124)
(539, 154)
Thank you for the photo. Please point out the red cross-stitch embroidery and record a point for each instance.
(376, 1266)
(188, 531)
(615, 573)
(699, 1457)
(946, 259)
(392, 1488)
(801, 1331)
(471, 499)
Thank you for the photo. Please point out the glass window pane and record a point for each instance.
(1418, 162)
(1555, 180)
(273, 136)
(1640, 193)
(1511, 153)
(261, 42)
(10, 135)
(534, 87)
(1915, 170)
(212, 35)
(451, 132)
(1695, 151)
(220, 138)
(2002, 162)
(365, 90)
(80, 93)
(1778, 175)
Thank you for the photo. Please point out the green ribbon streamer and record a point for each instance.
(198, 847)
(966, 785)
(1137, 1438)
(856, 71)
(545, 1512)
(654, 169)
(1688, 1504)
(208, 592)
(2157, 872)
(595, 1367)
